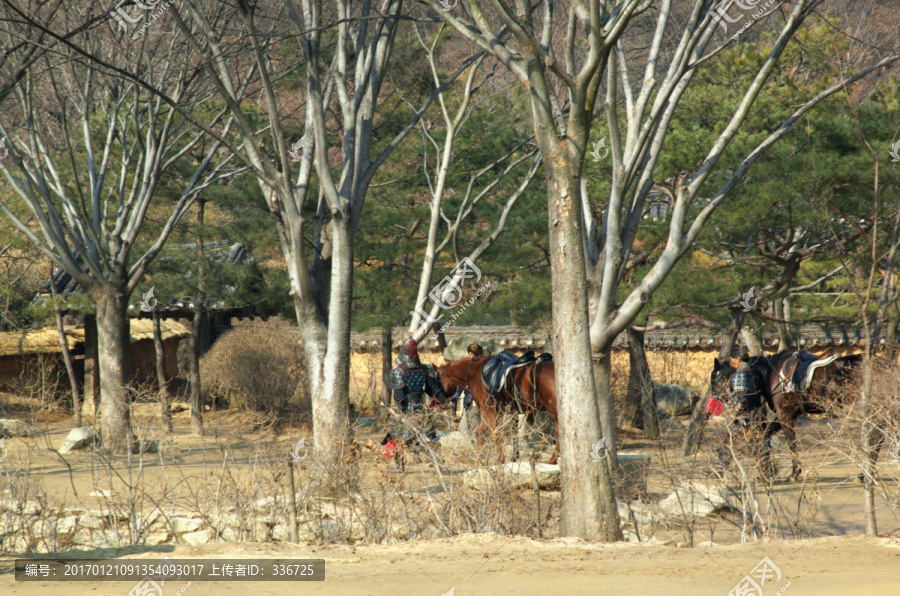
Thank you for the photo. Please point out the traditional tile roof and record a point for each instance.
(682, 338)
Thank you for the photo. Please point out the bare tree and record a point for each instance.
(488, 177)
(318, 250)
(87, 151)
(563, 95)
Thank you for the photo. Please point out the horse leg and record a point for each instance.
(791, 436)
(489, 424)
(766, 464)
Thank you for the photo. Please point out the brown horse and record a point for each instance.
(528, 389)
(788, 406)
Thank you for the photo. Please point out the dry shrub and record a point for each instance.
(258, 367)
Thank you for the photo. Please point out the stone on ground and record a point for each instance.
(696, 499)
(673, 400)
(10, 427)
(79, 438)
(515, 474)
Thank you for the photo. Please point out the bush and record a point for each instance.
(258, 367)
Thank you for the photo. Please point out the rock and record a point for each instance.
(697, 499)
(90, 521)
(10, 427)
(105, 494)
(231, 534)
(66, 525)
(26, 508)
(456, 443)
(79, 438)
(516, 473)
(281, 533)
(198, 538)
(157, 538)
(673, 400)
(186, 524)
(145, 446)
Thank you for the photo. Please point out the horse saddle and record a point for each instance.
(797, 372)
(495, 370)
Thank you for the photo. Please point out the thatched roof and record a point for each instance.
(46, 341)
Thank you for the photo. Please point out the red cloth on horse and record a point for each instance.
(389, 448)
(714, 406)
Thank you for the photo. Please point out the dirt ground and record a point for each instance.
(491, 564)
(837, 560)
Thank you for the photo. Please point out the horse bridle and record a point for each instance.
(468, 372)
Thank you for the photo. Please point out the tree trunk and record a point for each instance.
(752, 341)
(782, 313)
(91, 369)
(161, 379)
(603, 384)
(866, 447)
(588, 501)
(331, 392)
(197, 326)
(890, 334)
(386, 361)
(196, 410)
(639, 396)
(699, 417)
(113, 348)
(67, 356)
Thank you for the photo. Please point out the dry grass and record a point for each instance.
(258, 367)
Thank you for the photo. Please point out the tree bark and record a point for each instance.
(752, 341)
(386, 361)
(331, 387)
(782, 313)
(196, 409)
(588, 500)
(113, 347)
(91, 368)
(866, 447)
(161, 379)
(67, 356)
(197, 326)
(640, 384)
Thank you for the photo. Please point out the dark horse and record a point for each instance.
(787, 403)
(528, 389)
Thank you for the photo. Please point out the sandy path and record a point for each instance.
(490, 564)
